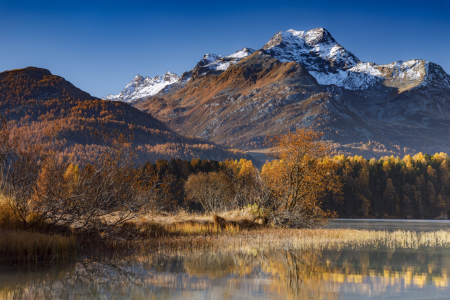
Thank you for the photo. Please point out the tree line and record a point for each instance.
(415, 186)
(302, 187)
(45, 188)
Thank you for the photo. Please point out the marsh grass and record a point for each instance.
(187, 229)
(269, 239)
(19, 246)
(150, 229)
(24, 247)
(187, 232)
(184, 232)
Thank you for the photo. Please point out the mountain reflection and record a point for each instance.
(292, 274)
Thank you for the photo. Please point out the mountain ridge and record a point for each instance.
(306, 78)
(141, 87)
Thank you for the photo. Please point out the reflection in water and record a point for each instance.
(391, 225)
(283, 274)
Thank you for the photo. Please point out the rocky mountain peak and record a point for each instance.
(215, 64)
(436, 76)
(301, 39)
(170, 76)
(316, 49)
(244, 52)
(319, 36)
(141, 87)
(138, 78)
(208, 58)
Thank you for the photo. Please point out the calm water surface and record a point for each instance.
(391, 225)
(367, 273)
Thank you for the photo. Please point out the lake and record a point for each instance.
(390, 225)
(365, 272)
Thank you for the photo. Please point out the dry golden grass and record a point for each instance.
(7, 218)
(185, 232)
(270, 239)
(25, 247)
(180, 216)
(189, 232)
(188, 227)
(32, 247)
(183, 223)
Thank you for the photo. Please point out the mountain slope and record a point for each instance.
(140, 88)
(305, 78)
(37, 100)
(256, 97)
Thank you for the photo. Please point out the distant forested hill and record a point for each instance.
(35, 100)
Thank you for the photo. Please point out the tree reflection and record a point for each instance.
(291, 274)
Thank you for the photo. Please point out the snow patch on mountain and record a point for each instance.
(216, 62)
(347, 79)
(366, 75)
(141, 87)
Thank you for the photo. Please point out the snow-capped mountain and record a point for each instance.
(141, 87)
(332, 64)
(306, 78)
(326, 60)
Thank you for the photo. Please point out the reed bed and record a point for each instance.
(150, 229)
(25, 247)
(19, 246)
(186, 228)
(187, 232)
(299, 239)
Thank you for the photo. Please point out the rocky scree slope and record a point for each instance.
(305, 78)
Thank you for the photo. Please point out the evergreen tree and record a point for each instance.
(407, 209)
(442, 206)
(390, 197)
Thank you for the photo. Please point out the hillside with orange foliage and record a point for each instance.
(37, 101)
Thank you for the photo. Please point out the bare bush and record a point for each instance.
(213, 190)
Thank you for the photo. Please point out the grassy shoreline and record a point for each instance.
(27, 247)
(184, 232)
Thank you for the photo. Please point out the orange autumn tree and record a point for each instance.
(299, 176)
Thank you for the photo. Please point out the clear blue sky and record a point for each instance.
(101, 45)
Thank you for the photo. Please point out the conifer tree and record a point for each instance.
(407, 210)
(442, 206)
(390, 197)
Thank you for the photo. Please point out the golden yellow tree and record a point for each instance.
(301, 174)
